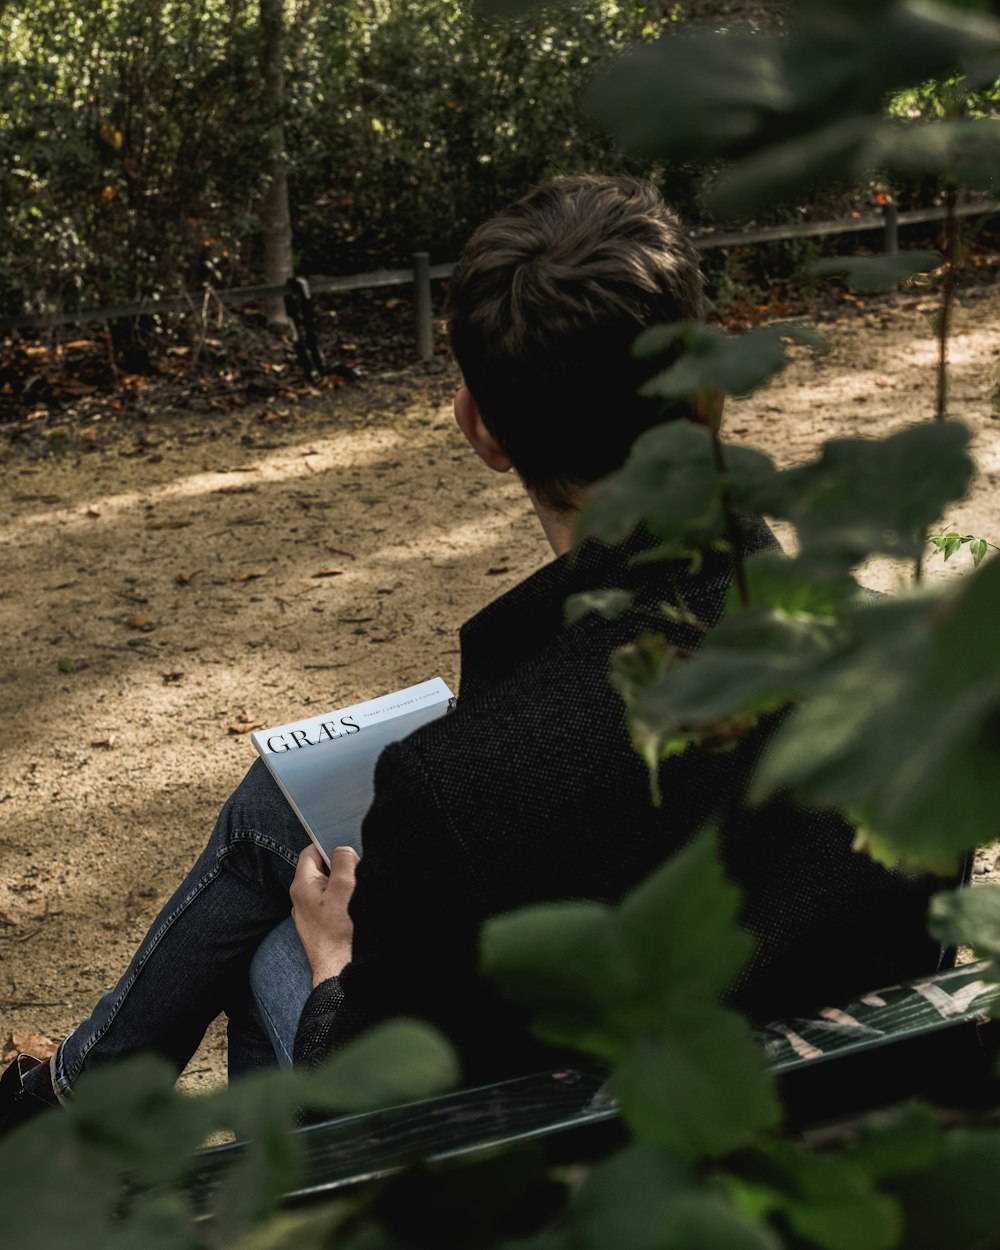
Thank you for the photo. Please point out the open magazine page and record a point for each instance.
(325, 765)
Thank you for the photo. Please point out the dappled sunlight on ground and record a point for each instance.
(155, 604)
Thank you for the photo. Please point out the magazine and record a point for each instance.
(325, 765)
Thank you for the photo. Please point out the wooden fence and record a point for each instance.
(423, 273)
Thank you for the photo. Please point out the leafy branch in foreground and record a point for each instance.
(860, 672)
(119, 1157)
(948, 542)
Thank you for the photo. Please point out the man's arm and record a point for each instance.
(408, 943)
(320, 909)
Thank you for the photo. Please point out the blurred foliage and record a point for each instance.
(896, 719)
(128, 137)
(132, 133)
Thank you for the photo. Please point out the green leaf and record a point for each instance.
(299, 1230)
(786, 169)
(877, 273)
(640, 985)
(656, 339)
(753, 661)
(133, 1113)
(689, 96)
(776, 581)
(966, 151)
(155, 1222)
(956, 1201)
(607, 603)
(396, 1062)
(968, 917)
(627, 1200)
(569, 964)
(633, 668)
(680, 928)
(865, 496)
(263, 1110)
(46, 1156)
(463, 1204)
(669, 483)
(951, 547)
(698, 1088)
(831, 1202)
(901, 724)
(699, 1220)
(734, 363)
(977, 549)
(907, 1139)
(672, 484)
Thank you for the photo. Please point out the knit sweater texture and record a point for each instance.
(531, 792)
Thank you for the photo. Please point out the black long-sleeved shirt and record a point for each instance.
(531, 792)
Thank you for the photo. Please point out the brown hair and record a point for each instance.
(544, 307)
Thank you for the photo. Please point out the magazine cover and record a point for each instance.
(325, 765)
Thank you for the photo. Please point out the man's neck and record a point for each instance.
(558, 525)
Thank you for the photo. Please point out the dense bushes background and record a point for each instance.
(131, 133)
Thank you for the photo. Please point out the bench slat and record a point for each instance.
(357, 1148)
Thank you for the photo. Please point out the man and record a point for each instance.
(529, 791)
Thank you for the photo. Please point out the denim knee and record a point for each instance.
(280, 983)
(257, 812)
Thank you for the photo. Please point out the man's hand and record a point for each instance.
(319, 909)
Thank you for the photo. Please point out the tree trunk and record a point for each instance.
(275, 213)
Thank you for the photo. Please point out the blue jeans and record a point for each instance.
(224, 942)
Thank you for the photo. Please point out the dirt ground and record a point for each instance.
(165, 591)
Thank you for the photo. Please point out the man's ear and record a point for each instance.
(470, 422)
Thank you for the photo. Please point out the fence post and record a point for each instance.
(890, 215)
(422, 304)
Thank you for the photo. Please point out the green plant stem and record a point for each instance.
(943, 327)
(947, 300)
(732, 529)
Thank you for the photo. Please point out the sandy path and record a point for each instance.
(156, 593)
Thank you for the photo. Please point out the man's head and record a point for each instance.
(544, 307)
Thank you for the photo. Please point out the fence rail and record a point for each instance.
(423, 272)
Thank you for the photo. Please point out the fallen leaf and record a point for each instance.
(93, 512)
(107, 743)
(245, 723)
(184, 578)
(36, 1044)
(328, 573)
(169, 678)
(167, 525)
(246, 575)
(135, 621)
(7, 919)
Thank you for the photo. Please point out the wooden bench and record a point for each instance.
(926, 1037)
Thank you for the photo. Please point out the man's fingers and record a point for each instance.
(344, 864)
(310, 864)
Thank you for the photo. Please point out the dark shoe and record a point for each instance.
(25, 1089)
